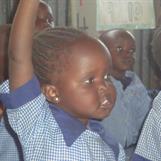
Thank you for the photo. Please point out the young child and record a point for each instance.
(10, 148)
(149, 144)
(74, 74)
(132, 102)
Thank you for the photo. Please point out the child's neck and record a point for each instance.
(84, 121)
(118, 75)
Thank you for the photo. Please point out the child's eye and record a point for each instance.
(119, 49)
(107, 77)
(89, 81)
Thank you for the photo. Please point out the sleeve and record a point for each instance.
(149, 144)
(24, 107)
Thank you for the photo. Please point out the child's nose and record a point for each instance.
(102, 88)
(107, 90)
(129, 52)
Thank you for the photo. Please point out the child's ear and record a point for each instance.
(51, 93)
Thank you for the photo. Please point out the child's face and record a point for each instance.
(85, 89)
(122, 49)
(44, 17)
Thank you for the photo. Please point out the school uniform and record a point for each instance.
(10, 148)
(129, 112)
(48, 133)
(149, 144)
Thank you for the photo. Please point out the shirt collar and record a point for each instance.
(71, 127)
(125, 81)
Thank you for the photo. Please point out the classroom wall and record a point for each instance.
(142, 58)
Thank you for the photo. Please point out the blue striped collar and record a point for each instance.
(71, 127)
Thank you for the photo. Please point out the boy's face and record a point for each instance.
(44, 17)
(122, 49)
(85, 89)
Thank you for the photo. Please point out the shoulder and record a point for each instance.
(21, 95)
(135, 78)
(157, 104)
(149, 146)
(114, 145)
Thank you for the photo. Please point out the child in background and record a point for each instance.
(132, 101)
(149, 144)
(44, 17)
(74, 74)
(10, 147)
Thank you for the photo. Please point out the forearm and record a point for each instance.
(20, 46)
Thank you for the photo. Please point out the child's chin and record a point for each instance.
(101, 117)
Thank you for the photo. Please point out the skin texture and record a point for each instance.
(121, 44)
(85, 90)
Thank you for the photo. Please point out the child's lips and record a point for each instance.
(128, 61)
(106, 104)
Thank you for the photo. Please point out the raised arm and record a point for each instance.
(20, 44)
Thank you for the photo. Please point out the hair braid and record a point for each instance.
(51, 50)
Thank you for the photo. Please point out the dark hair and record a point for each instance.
(104, 37)
(51, 51)
(156, 46)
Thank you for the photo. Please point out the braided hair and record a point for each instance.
(51, 52)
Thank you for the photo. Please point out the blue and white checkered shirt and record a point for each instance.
(49, 134)
(10, 148)
(149, 144)
(128, 115)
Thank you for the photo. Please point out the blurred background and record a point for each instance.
(144, 66)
